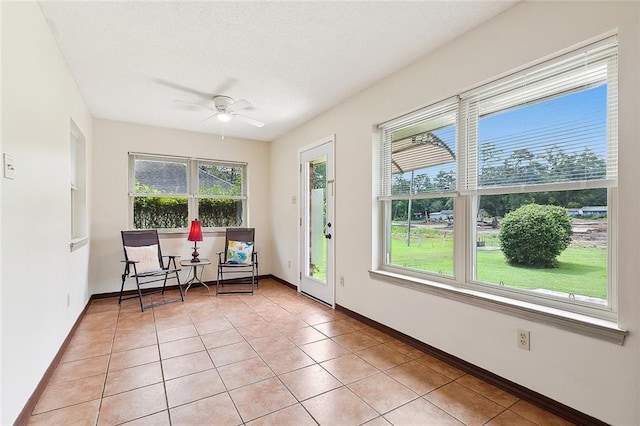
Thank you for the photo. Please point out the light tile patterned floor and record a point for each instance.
(274, 358)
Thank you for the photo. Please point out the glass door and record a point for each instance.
(317, 222)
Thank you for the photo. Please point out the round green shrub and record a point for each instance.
(534, 235)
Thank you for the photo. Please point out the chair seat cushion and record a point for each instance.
(239, 252)
(146, 256)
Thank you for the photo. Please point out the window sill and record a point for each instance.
(577, 323)
(76, 243)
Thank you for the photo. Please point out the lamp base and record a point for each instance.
(195, 254)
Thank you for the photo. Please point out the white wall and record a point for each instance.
(39, 97)
(595, 377)
(112, 143)
(1, 97)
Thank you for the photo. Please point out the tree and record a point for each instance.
(445, 181)
(589, 166)
(534, 235)
(399, 185)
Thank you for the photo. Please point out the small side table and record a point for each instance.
(194, 271)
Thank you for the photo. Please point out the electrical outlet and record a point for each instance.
(68, 300)
(289, 264)
(341, 281)
(524, 340)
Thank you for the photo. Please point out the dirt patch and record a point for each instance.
(589, 233)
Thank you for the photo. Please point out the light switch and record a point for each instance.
(9, 167)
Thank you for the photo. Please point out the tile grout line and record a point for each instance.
(283, 301)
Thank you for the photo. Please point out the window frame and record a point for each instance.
(463, 281)
(192, 194)
(78, 187)
(426, 120)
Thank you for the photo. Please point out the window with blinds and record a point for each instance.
(168, 192)
(221, 194)
(555, 124)
(418, 153)
(547, 136)
(418, 158)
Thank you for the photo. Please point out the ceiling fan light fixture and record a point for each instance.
(224, 117)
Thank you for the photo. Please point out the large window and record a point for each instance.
(511, 188)
(169, 192)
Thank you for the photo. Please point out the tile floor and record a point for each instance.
(274, 358)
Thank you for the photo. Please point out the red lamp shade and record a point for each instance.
(195, 233)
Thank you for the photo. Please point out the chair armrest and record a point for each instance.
(172, 258)
(127, 266)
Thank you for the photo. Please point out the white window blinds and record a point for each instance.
(159, 176)
(418, 152)
(553, 125)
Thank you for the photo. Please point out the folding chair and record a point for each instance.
(240, 259)
(144, 263)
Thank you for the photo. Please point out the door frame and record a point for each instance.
(330, 140)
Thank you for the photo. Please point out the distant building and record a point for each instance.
(594, 211)
(442, 215)
(588, 211)
(574, 212)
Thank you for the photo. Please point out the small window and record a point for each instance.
(160, 194)
(169, 192)
(220, 194)
(419, 176)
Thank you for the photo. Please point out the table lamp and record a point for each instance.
(195, 235)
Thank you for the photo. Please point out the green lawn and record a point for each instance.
(581, 271)
(430, 252)
(319, 271)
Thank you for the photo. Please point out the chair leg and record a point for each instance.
(139, 294)
(179, 286)
(218, 280)
(124, 277)
(164, 284)
(253, 277)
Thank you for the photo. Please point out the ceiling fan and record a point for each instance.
(226, 109)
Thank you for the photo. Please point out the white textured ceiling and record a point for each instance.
(291, 60)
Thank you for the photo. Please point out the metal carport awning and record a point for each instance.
(418, 151)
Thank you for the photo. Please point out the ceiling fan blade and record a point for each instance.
(182, 88)
(195, 104)
(240, 104)
(211, 116)
(249, 121)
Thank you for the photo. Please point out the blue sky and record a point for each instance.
(574, 122)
